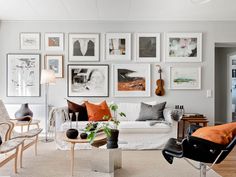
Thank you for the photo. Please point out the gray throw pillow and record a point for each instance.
(151, 112)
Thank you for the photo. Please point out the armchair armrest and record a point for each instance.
(9, 129)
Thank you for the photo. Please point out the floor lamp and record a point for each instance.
(47, 77)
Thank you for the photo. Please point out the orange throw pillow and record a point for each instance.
(96, 112)
(220, 134)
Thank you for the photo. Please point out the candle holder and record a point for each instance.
(73, 133)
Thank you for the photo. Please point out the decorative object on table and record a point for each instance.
(55, 63)
(29, 41)
(131, 80)
(54, 41)
(47, 77)
(185, 78)
(88, 80)
(24, 113)
(23, 75)
(83, 135)
(73, 133)
(118, 46)
(160, 91)
(147, 47)
(83, 47)
(177, 114)
(110, 128)
(81, 108)
(183, 47)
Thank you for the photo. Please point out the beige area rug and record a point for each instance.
(56, 163)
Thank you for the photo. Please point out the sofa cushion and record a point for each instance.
(74, 107)
(151, 112)
(97, 112)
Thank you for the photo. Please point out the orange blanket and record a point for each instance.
(220, 134)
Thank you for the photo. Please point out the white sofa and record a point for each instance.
(133, 134)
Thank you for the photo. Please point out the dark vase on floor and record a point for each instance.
(72, 133)
(112, 141)
(23, 112)
(0, 140)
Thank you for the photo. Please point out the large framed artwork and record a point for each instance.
(23, 75)
(147, 47)
(54, 41)
(118, 46)
(88, 80)
(83, 47)
(185, 78)
(29, 41)
(55, 63)
(131, 80)
(183, 47)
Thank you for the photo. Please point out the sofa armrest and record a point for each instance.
(58, 116)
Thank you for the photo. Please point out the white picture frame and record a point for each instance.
(118, 46)
(183, 47)
(23, 75)
(89, 50)
(185, 78)
(54, 41)
(147, 47)
(30, 41)
(55, 63)
(137, 84)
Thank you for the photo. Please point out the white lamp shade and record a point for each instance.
(47, 76)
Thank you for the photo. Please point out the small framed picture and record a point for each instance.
(183, 47)
(88, 80)
(55, 63)
(83, 47)
(147, 47)
(118, 46)
(185, 78)
(30, 41)
(23, 75)
(54, 41)
(131, 80)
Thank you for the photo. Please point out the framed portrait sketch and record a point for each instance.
(54, 41)
(30, 41)
(88, 80)
(147, 47)
(23, 75)
(83, 47)
(118, 46)
(55, 63)
(131, 80)
(185, 78)
(183, 47)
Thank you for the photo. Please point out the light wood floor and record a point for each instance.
(227, 168)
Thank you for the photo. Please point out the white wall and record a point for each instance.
(193, 100)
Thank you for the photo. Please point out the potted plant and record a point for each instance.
(110, 128)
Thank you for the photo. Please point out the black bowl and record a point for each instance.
(72, 133)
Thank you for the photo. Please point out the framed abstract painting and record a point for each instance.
(54, 41)
(55, 63)
(30, 41)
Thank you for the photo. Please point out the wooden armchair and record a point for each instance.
(10, 148)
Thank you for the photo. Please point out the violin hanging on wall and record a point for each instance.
(160, 91)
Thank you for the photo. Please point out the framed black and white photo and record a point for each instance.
(131, 80)
(88, 80)
(118, 46)
(54, 41)
(147, 47)
(83, 47)
(29, 41)
(185, 78)
(55, 63)
(23, 75)
(183, 47)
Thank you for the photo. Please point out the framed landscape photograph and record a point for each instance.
(54, 41)
(131, 80)
(83, 47)
(88, 80)
(185, 78)
(118, 46)
(55, 63)
(29, 41)
(147, 47)
(183, 47)
(23, 75)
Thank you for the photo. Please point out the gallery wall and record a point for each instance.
(193, 100)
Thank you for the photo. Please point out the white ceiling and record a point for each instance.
(216, 10)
